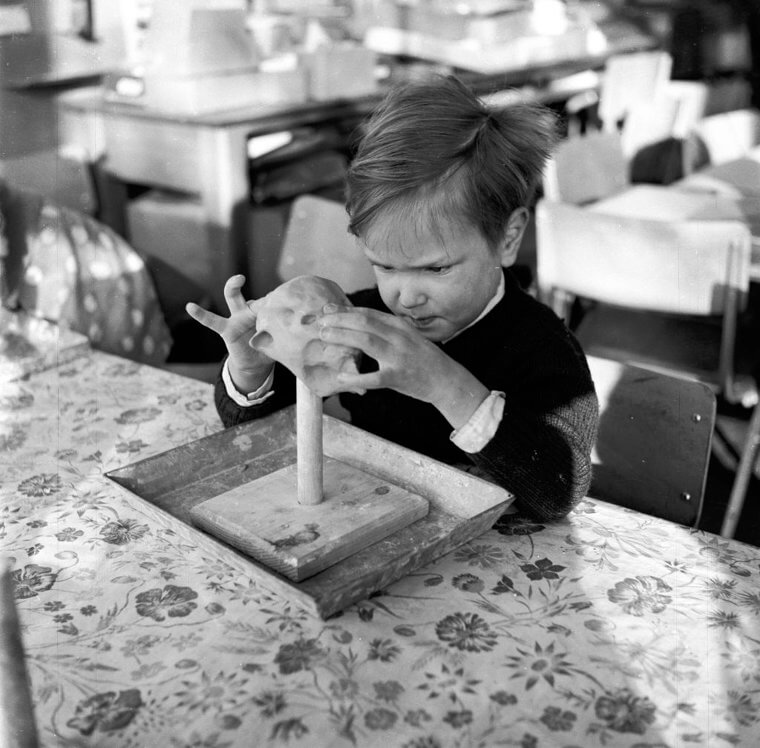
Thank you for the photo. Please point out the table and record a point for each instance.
(684, 200)
(607, 628)
(33, 60)
(203, 155)
(739, 177)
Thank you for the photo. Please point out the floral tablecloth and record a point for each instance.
(610, 628)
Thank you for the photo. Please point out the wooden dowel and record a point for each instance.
(17, 727)
(308, 444)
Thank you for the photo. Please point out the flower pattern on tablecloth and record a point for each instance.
(609, 628)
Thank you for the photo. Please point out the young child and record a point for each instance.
(459, 362)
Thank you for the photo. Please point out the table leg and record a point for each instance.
(224, 194)
(743, 474)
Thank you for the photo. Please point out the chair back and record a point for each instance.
(317, 242)
(691, 98)
(647, 123)
(585, 168)
(64, 176)
(630, 79)
(668, 293)
(682, 267)
(653, 448)
(729, 135)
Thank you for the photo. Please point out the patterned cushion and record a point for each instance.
(76, 271)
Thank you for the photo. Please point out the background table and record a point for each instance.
(739, 177)
(205, 155)
(608, 628)
(684, 200)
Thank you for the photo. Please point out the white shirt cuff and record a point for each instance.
(252, 398)
(480, 429)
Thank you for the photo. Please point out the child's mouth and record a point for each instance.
(421, 322)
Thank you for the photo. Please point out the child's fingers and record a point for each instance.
(373, 345)
(362, 320)
(207, 319)
(334, 308)
(232, 295)
(360, 383)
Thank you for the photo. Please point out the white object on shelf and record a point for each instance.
(211, 93)
(471, 54)
(340, 70)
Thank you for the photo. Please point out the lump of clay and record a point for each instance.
(287, 331)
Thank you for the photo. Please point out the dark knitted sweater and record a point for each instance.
(541, 451)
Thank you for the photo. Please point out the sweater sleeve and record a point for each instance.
(542, 456)
(283, 393)
(541, 450)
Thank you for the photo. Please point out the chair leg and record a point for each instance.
(743, 474)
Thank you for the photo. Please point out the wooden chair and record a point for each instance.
(748, 464)
(692, 98)
(647, 123)
(729, 135)
(653, 448)
(671, 112)
(637, 101)
(585, 168)
(317, 242)
(667, 294)
(630, 80)
(64, 175)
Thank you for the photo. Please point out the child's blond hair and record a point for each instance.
(433, 149)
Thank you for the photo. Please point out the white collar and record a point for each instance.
(495, 299)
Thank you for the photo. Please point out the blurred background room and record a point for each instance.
(151, 148)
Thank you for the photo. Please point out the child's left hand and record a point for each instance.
(408, 363)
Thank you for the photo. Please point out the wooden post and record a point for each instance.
(308, 444)
(17, 728)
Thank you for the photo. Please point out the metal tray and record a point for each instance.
(462, 506)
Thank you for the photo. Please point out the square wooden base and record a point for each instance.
(264, 520)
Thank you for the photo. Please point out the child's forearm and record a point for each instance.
(459, 395)
(250, 378)
(232, 413)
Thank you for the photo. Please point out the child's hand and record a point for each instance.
(408, 362)
(248, 367)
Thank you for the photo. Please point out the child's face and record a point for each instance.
(438, 280)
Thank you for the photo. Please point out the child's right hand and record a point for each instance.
(248, 367)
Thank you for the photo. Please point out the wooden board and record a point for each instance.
(264, 520)
(461, 506)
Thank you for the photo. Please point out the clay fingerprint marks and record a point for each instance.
(309, 534)
(287, 331)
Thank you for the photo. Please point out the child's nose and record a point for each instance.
(410, 295)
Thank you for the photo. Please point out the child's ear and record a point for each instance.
(513, 235)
